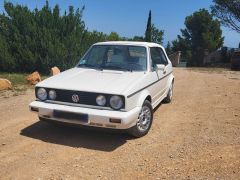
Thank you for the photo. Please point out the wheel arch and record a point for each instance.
(170, 81)
(145, 95)
(149, 98)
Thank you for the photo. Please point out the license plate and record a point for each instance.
(70, 116)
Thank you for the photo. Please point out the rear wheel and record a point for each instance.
(168, 99)
(144, 121)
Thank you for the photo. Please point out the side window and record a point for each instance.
(158, 56)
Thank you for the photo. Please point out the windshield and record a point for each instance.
(115, 57)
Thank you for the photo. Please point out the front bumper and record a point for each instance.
(96, 117)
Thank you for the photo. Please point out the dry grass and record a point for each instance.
(19, 83)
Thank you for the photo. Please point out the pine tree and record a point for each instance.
(148, 33)
(169, 48)
(228, 11)
(156, 35)
(202, 33)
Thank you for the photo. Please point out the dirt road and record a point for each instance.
(196, 136)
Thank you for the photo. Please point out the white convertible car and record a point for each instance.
(115, 85)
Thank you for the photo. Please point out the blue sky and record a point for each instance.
(129, 17)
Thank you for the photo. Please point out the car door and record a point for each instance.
(160, 65)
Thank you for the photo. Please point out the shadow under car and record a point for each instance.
(80, 137)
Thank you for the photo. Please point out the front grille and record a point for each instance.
(85, 98)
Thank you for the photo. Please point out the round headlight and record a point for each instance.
(116, 102)
(52, 94)
(42, 94)
(101, 100)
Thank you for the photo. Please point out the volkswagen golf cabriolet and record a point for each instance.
(115, 85)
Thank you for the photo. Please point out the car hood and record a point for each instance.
(91, 80)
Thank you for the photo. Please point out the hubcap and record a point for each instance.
(144, 118)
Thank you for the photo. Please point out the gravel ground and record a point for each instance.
(197, 136)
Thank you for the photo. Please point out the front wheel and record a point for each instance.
(144, 121)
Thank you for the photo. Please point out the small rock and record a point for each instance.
(33, 78)
(5, 84)
(3, 144)
(54, 71)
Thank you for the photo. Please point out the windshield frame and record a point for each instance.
(115, 69)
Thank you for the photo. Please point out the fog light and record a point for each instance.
(113, 120)
(34, 109)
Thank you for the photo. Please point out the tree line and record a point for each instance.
(203, 33)
(42, 38)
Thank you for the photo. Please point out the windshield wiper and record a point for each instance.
(115, 67)
(87, 65)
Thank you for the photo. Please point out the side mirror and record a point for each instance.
(161, 67)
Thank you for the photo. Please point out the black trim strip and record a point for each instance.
(130, 95)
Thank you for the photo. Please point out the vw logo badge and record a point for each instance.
(75, 98)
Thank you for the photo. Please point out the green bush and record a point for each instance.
(41, 39)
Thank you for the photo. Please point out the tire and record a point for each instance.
(144, 122)
(168, 99)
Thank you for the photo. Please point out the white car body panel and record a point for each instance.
(134, 86)
(97, 117)
(91, 80)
